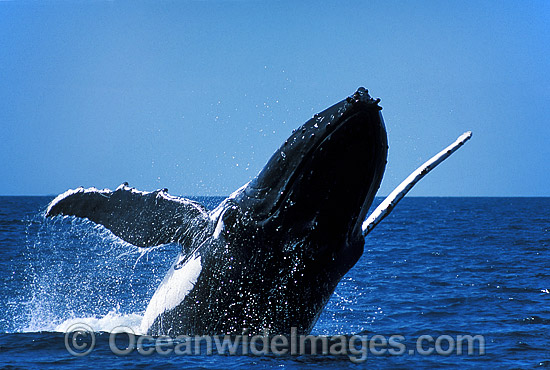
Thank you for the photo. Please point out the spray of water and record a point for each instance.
(80, 272)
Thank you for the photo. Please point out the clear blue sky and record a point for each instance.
(195, 96)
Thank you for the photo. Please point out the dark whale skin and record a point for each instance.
(269, 256)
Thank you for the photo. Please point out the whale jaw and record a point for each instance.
(323, 179)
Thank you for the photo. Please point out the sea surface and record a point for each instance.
(436, 268)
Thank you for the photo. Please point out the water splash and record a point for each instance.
(108, 323)
(78, 270)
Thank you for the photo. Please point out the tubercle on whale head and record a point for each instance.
(325, 174)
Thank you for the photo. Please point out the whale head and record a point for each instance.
(318, 186)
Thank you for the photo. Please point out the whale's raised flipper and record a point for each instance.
(399, 193)
(144, 219)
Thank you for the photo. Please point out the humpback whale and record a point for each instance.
(270, 255)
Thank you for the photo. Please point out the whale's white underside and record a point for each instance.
(172, 291)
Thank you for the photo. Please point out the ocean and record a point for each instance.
(436, 273)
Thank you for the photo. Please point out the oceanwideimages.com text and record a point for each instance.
(80, 340)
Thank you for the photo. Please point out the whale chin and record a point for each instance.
(325, 176)
(335, 185)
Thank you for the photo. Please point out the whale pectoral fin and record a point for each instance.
(144, 219)
(400, 191)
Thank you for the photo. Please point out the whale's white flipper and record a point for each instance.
(399, 192)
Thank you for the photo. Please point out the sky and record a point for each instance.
(195, 96)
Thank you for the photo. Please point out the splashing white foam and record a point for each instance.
(107, 323)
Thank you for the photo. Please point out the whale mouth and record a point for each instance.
(335, 183)
(326, 173)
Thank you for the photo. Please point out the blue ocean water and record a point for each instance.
(435, 267)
